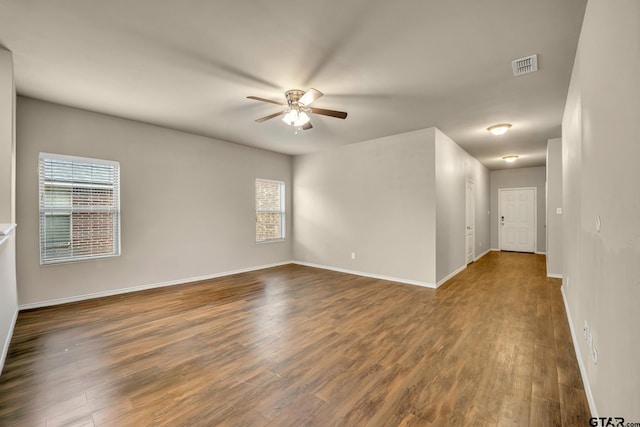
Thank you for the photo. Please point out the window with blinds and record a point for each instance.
(79, 208)
(269, 210)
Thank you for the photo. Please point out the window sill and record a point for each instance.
(76, 260)
(269, 241)
(5, 232)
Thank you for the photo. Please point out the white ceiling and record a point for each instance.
(394, 66)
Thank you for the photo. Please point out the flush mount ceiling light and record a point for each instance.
(510, 159)
(500, 129)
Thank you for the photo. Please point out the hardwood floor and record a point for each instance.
(294, 345)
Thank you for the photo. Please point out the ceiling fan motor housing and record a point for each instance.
(293, 96)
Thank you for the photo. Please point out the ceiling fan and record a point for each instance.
(297, 108)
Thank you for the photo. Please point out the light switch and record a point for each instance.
(558, 211)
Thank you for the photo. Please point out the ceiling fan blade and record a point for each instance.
(257, 98)
(307, 126)
(310, 96)
(270, 116)
(332, 113)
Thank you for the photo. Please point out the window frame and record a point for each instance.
(281, 211)
(49, 206)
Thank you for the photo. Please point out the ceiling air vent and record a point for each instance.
(525, 65)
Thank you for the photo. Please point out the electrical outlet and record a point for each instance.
(353, 255)
(585, 330)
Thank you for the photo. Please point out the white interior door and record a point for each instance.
(471, 222)
(517, 219)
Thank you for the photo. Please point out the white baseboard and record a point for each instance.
(373, 276)
(554, 275)
(536, 252)
(7, 341)
(441, 282)
(144, 287)
(483, 254)
(583, 371)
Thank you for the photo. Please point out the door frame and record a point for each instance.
(535, 215)
(468, 183)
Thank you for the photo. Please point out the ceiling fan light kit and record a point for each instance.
(296, 113)
(500, 129)
(296, 118)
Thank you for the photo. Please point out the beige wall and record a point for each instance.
(7, 138)
(554, 202)
(8, 292)
(375, 198)
(397, 202)
(454, 167)
(600, 133)
(516, 178)
(187, 203)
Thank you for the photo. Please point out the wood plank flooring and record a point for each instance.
(294, 346)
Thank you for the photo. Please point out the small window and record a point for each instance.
(79, 208)
(270, 218)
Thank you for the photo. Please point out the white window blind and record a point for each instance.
(270, 214)
(79, 208)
